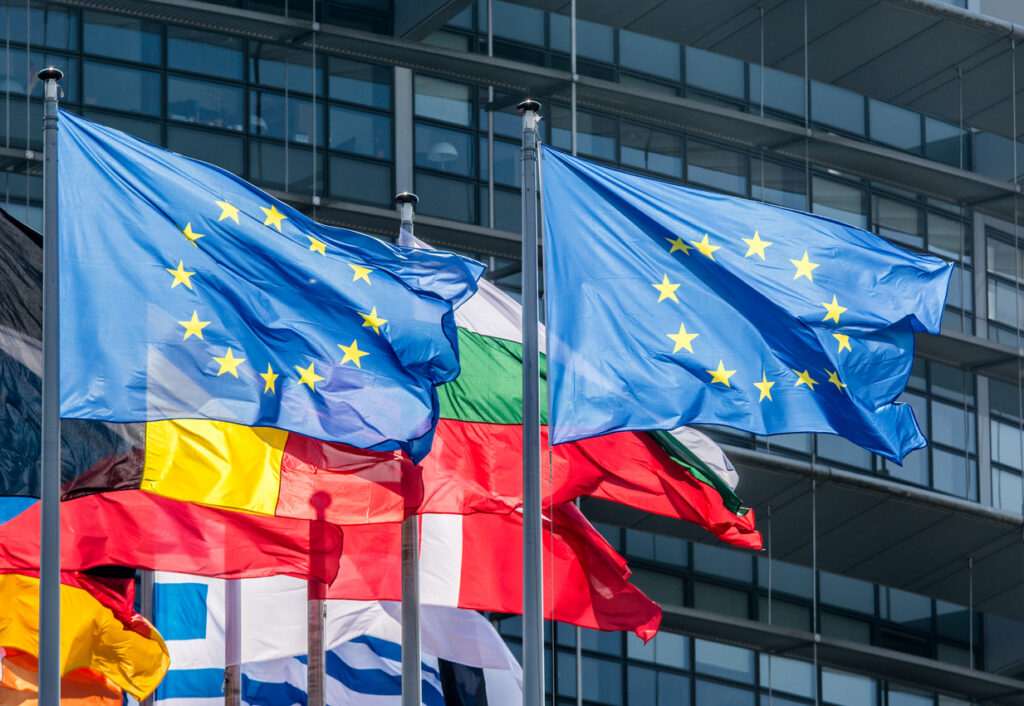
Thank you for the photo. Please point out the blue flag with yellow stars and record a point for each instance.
(669, 306)
(186, 292)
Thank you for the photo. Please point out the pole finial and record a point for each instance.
(50, 72)
(528, 106)
(406, 197)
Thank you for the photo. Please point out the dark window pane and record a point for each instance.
(786, 578)
(714, 694)
(121, 88)
(1003, 258)
(122, 37)
(593, 41)
(641, 685)
(447, 198)
(356, 180)
(205, 103)
(362, 133)
(648, 54)
(711, 559)
(894, 126)
(718, 599)
(46, 26)
(356, 82)
(507, 167)
(19, 77)
(271, 116)
(837, 107)
(148, 130)
(838, 449)
(223, 150)
(662, 588)
(942, 141)
(445, 150)
(847, 593)
(673, 690)
(267, 164)
(602, 681)
(718, 168)
(845, 628)
(910, 609)
(789, 675)
(839, 202)
(946, 237)
(954, 474)
(204, 52)
(714, 72)
(783, 186)
(282, 67)
(652, 150)
(22, 130)
(848, 689)
(720, 660)
(897, 221)
(442, 100)
(595, 134)
(508, 212)
(518, 23)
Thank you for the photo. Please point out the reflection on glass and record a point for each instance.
(444, 100)
(271, 115)
(593, 41)
(121, 88)
(652, 150)
(845, 689)
(283, 67)
(714, 72)
(445, 150)
(19, 75)
(44, 25)
(267, 167)
(720, 660)
(787, 675)
(204, 103)
(225, 151)
(894, 126)
(649, 55)
(356, 82)
(356, 180)
(602, 681)
(837, 107)
(518, 23)
(716, 167)
(204, 52)
(1006, 490)
(782, 91)
(839, 202)
(358, 132)
(783, 186)
(897, 221)
(715, 693)
(595, 134)
(122, 37)
(448, 198)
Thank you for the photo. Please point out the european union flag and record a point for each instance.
(186, 292)
(671, 306)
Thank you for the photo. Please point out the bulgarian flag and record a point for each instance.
(477, 458)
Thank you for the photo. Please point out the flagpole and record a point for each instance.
(412, 684)
(232, 643)
(49, 555)
(316, 694)
(533, 572)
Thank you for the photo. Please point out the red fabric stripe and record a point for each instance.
(141, 530)
(478, 467)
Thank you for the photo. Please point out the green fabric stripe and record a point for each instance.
(682, 455)
(490, 387)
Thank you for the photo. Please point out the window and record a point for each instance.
(518, 23)
(595, 134)
(122, 37)
(19, 77)
(288, 169)
(897, 221)
(359, 132)
(845, 689)
(787, 675)
(225, 151)
(444, 101)
(356, 82)
(782, 185)
(47, 26)
(652, 150)
(204, 103)
(839, 202)
(449, 151)
(718, 561)
(281, 67)
(204, 52)
(121, 88)
(593, 41)
(716, 167)
(359, 180)
(666, 649)
(837, 107)
(946, 238)
(507, 167)
(847, 593)
(782, 91)
(602, 681)
(292, 119)
(448, 198)
(943, 142)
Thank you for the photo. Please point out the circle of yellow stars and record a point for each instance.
(231, 360)
(756, 247)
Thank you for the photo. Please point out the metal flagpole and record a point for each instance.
(147, 597)
(412, 685)
(533, 570)
(315, 695)
(49, 559)
(232, 643)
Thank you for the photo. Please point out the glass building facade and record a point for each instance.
(320, 103)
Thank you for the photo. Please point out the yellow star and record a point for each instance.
(804, 267)
(834, 310)
(721, 375)
(308, 376)
(192, 237)
(844, 341)
(194, 327)
(373, 320)
(227, 211)
(668, 290)
(756, 247)
(274, 217)
(682, 339)
(678, 244)
(705, 247)
(362, 273)
(317, 246)
(765, 386)
(269, 377)
(180, 275)
(352, 353)
(833, 377)
(229, 363)
(805, 379)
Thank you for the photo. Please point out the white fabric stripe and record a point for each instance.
(709, 452)
(440, 560)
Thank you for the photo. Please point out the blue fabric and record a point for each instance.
(276, 288)
(191, 684)
(635, 267)
(271, 693)
(13, 506)
(180, 610)
(389, 650)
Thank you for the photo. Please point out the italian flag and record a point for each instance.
(476, 460)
